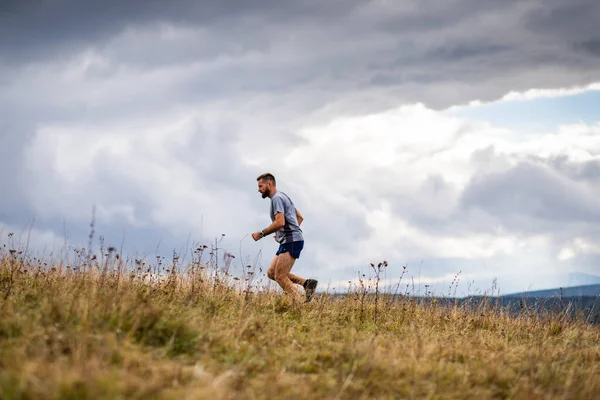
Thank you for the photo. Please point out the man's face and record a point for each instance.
(264, 188)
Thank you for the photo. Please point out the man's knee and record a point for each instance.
(279, 275)
(282, 267)
(272, 268)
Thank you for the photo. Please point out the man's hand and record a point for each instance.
(256, 236)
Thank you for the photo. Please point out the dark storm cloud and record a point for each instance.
(35, 29)
(572, 18)
(343, 45)
(592, 46)
(467, 51)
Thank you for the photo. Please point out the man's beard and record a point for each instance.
(266, 194)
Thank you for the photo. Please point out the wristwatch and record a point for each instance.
(262, 234)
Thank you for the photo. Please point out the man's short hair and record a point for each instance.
(267, 177)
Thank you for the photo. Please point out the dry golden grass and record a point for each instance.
(105, 334)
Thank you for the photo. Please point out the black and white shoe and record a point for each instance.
(310, 286)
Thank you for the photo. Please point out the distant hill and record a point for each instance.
(581, 279)
(575, 291)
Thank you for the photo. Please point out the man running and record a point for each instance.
(285, 224)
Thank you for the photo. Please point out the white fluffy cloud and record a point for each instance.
(404, 185)
(407, 170)
(532, 94)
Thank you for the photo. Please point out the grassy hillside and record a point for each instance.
(94, 330)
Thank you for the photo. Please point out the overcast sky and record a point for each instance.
(460, 135)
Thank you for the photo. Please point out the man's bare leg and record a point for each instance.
(283, 266)
(271, 270)
(294, 278)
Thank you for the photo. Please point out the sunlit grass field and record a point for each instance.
(105, 328)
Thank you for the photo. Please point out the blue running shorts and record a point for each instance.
(294, 248)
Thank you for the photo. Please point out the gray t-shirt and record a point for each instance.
(291, 231)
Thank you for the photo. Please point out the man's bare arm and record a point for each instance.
(274, 227)
(299, 217)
